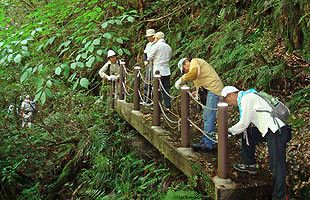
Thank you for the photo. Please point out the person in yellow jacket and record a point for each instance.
(203, 75)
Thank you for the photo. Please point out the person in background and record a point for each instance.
(27, 110)
(160, 55)
(203, 75)
(258, 127)
(110, 69)
(148, 66)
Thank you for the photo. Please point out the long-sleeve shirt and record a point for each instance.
(203, 75)
(147, 49)
(114, 69)
(250, 103)
(160, 55)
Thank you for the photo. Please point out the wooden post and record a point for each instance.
(122, 81)
(156, 96)
(222, 140)
(184, 117)
(112, 94)
(136, 97)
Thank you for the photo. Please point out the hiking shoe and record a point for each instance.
(251, 169)
(202, 147)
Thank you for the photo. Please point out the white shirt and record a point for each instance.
(250, 103)
(160, 54)
(114, 69)
(147, 49)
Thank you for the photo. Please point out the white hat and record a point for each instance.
(227, 90)
(180, 64)
(111, 53)
(159, 35)
(150, 32)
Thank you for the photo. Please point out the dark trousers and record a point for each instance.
(276, 143)
(166, 84)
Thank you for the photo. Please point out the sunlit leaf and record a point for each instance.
(84, 82)
(48, 83)
(99, 52)
(58, 70)
(119, 40)
(107, 35)
(105, 25)
(130, 19)
(18, 58)
(43, 98)
(90, 61)
(96, 41)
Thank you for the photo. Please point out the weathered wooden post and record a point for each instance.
(184, 117)
(121, 95)
(136, 97)
(112, 94)
(156, 97)
(222, 140)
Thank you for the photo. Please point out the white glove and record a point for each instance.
(177, 84)
(113, 77)
(109, 78)
(195, 95)
(146, 63)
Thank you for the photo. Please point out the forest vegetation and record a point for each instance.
(81, 149)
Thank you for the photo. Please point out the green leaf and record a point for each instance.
(119, 40)
(39, 82)
(73, 65)
(78, 57)
(80, 64)
(127, 52)
(84, 82)
(107, 35)
(99, 52)
(84, 55)
(90, 61)
(48, 83)
(24, 76)
(130, 19)
(18, 58)
(43, 97)
(24, 41)
(75, 84)
(91, 48)
(38, 95)
(105, 24)
(58, 70)
(51, 40)
(96, 41)
(120, 51)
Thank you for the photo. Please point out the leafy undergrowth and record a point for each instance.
(80, 149)
(53, 50)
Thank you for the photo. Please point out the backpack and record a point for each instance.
(279, 109)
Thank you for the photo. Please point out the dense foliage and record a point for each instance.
(53, 49)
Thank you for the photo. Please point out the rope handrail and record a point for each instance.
(199, 103)
(162, 86)
(199, 129)
(144, 79)
(126, 92)
(165, 115)
(142, 99)
(130, 73)
(168, 120)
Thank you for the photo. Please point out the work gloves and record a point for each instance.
(146, 63)
(111, 78)
(178, 83)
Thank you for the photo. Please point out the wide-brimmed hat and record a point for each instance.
(111, 53)
(150, 32)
